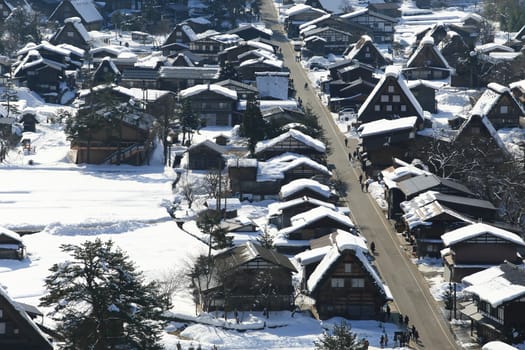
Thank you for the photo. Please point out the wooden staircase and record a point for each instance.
(124, 154)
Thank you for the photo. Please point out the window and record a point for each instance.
(358, 282)
(348, 267)
(338, 282)
(377, 108)
(403, 108)
(396, 98)
(384, 98)
(70, 34)
(504, 109)
(367, 55)
(389, 108)
(178, 34)
(391, 88)
(16, 331)
(1, 313)
(2, 327)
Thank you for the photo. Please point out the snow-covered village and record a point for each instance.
(262, 174)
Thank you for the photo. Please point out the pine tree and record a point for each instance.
(341, 338)
(265, 239)
(101, 301)
(189, 121)
(253, 126)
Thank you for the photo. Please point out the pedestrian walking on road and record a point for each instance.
(350, 157)
(388, 312)
(382, 341)
(367, 183)
(400, 319)
(356, 154)
(360, 178)
(362, 187)
(373, 247)
(416, 336)
(406, 320)
(346, 142)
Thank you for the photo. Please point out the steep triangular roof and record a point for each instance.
(85, 9)
(485, 123)
(391, 77)
(209, 144)
(426, 52)
(20, 320)
(365, 45)
(249, 251)
(294, 134)
(490, 98)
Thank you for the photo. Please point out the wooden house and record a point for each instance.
(233, 53)
(41, 75)
(407, 188)
(390, 99)
(335, 40)
(472, 248)
(427, 62)
(127, 139)
(349, 95)
(183, 33)
(281, 116)
(424, 226)
(122, 56)
(292, 141)
(496, 308)
(214, 104)
(73, 33)
(113, 5)
(206, 155)
(29, 121)
(83, 9)
(456, 52)
(251, 31)
(425, 93)
(338, 276)
(244, 91)
(390, 9)
(385, 139)
(252, 278)
(478, 129)
(182, 60)
(180, 78)
(313, 46)
(364, 51)
(247, 69)
(248, 182)
(307, 188)
(280, 213)
(308, 225)
(106, 72)
(142, 78)
(17, 329)
(11, 245)
(297, 15)
(381, 27)
(431, 214)
(437, 31)
(210, 43)
(518, 91)
(337, 23)
(470, 34)
(500, 106)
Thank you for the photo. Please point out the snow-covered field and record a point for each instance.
(70, 203)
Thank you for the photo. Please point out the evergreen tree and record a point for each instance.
(253, 126)
(20, 28)
(265, 239)
(9, 95)
(341, 338)
(189, 121)
(100, 301)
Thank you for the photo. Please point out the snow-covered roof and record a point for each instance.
(478, 229)
(190, 33)
(210, 144)
(493, 46)
(267, 104)
(505, 56)
(44, 45)
(260, 45)
(418, 215)
(11, 234)
(87, 10)
(72, 49)
(486, 102)
(427, 41)
(300, 8)
(313, 23)
(229, 203)
(436, 85)
(301, 184)
(276, 208)
(276, 167)
(271, 62)
(342, 241)
(114, 50)
(386, 125)
(197, 89)
(295, 134)
(392, 72)
(312, 255)
(20, 309)
(77, 24)
(497, 345)
(32, 59)
(498, 284)
(310, 216)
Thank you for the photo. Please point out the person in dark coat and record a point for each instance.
(406, 320)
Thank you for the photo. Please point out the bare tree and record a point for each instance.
(188, 191)
(173, 280)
